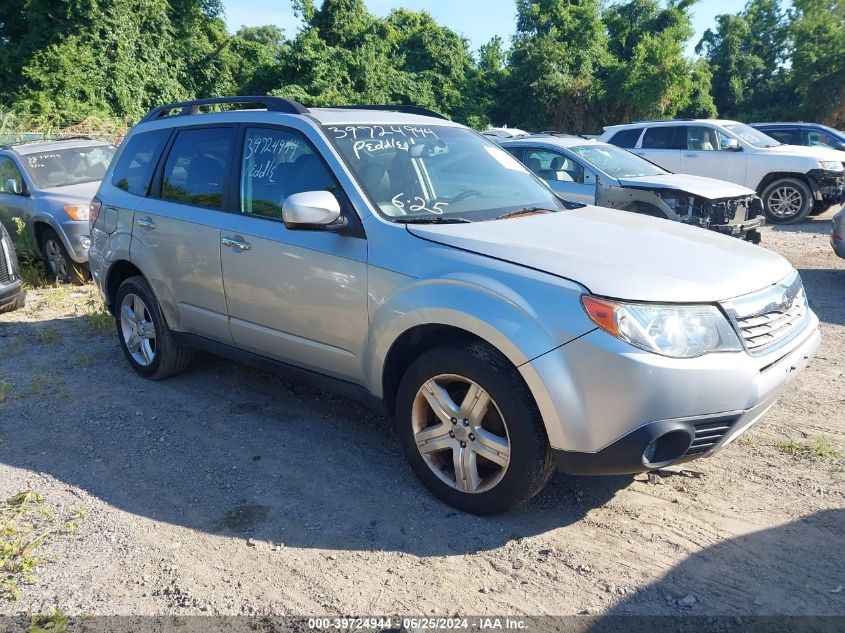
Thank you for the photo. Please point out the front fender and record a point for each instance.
(544, 314)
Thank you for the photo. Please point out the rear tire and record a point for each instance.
(820, 207)
(60, 265)
(497, 441)
(787, 201)
(144, 336)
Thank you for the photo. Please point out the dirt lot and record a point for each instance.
(231, 491)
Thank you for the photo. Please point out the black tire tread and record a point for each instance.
(78, 274)
(802, 215)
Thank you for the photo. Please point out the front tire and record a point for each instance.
(471, 430)
(59, 262)
(787, 201)
(144, 336)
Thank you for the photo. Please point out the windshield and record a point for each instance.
(752, 136)
(616, 161)
(438, 172)
(68, 166)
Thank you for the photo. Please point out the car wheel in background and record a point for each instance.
(146, 339)
(471, 430)
(819, 207)
(787, 200)
(59, 263)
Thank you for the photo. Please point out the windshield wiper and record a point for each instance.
(525, 211)
(431, 219)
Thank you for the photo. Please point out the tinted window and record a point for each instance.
(277, 164)
(197, 166)
(553, 166)
(626, 138)
(784, 135)
(664, 137)
(9, 171)
(134, 168)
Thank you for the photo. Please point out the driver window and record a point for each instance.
(553, 166)
(9, 171)
(703, 139)
(277, 164)
(821, 139)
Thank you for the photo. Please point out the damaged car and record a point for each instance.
(591, 172)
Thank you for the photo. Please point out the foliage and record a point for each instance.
(572, 65)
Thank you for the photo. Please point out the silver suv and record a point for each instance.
(48, 185)
(410, 261)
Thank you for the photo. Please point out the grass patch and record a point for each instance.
(46, 383)
(819, 449)
(33, 270)
(14, 346)
(24, 525)
(98, 319)
(5, 390)
(46, 335)
(55, 622)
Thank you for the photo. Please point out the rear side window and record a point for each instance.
(817, 138)
(626, 138)
(197, 167)
(664, 137)
(276, 164)
(786, 136)
(134, 169)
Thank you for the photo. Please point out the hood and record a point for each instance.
(700, 186)
(819, 153)
(82, 193)
(621, 254)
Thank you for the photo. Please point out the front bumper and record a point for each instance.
(828, 186)
(747, 230)
(604, 402)
(12, 297)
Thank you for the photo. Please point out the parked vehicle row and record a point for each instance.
(791, 180)
(407, 260)
(592, 172)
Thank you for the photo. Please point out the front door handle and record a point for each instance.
(690, 155)
(147, 224)
(232, 242)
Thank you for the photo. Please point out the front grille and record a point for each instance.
(709, 432)
(4, 265)
(770, 317)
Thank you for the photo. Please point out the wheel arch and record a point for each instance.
(119, 272)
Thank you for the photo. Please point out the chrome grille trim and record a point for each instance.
(770, 318)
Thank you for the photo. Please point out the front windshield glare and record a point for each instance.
(72, 166)
(616, 161)
(752, 136)
(438, 172)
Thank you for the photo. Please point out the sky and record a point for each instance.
(477, 20)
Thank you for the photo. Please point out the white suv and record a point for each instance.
(790, 179)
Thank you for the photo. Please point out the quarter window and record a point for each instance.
(197, 167)
(664, 137)
(276, 164)
(9, 171)
(134, 168)
(816, 138)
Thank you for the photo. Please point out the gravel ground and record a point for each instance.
(231, 491)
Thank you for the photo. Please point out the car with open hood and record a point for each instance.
(588, 171)
(408, 261)
(790, 180)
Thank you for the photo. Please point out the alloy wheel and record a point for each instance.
(56, 258)
(138, 329)
(466, 445)
(785, 202)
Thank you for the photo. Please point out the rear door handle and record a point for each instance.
(232, 242)
(690, 155)
(147, 224)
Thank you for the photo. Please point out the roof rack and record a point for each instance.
(186, 108)
(407, 109)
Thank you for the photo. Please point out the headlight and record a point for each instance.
(830, 165)
(77, 211)
(676, 331)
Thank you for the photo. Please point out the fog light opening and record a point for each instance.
(665, 449)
